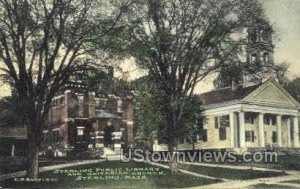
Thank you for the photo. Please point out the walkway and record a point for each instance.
(249, 183)
(111, 155)
(49, 168)
(188, 172)
(292, 175)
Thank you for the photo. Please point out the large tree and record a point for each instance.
(293, 87)
(42, 44)
(150, 119)
(148, 115)
(182, 41)
(10, 112)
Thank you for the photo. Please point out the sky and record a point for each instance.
(284, 15)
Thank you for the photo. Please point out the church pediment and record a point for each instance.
(272, 92)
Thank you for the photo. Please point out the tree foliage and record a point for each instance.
(181, 42)
(42, 44)
(10, 112)
(150, 120)
(293, 87)
(239, 72)
(148, 116)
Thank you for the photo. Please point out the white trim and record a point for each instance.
(252, 107)
(46, 131)
(57, 97)
(56, 129)
(129, 122)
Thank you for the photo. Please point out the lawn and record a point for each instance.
(285, 162)
(268, 186)
(293, 181)
(14, 164)
(229, 173)
(111, 174)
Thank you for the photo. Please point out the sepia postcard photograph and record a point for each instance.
(149, 94)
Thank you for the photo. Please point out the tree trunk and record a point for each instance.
(34, 136)
(173, 164)
(32, 158)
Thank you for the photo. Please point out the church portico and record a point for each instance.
(262, 129)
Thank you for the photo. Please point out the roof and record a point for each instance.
(102, 114)
(227, 94)
(13, 132)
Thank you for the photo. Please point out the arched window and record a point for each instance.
(266, 57)
(253, 57)
(253, 36)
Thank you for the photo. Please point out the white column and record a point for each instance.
(232, 125)
(296, 132)
(261, 130)
(13, 150)
(242, 129)
(289, 132)
(279, 135)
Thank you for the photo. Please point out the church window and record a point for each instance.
(254, 58)
(266, 57)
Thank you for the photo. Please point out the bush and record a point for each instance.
(12, 164)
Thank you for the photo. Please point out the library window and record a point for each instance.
(80, 131)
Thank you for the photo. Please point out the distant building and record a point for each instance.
(84, 120)
(13, 141)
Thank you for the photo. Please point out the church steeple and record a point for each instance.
(260, 46)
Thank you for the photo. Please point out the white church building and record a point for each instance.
(257, 116)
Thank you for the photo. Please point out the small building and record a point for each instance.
(247, 117)
(13, 141)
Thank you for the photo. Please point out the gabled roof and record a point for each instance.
(250, 93)
(101, 114)
(227, 94)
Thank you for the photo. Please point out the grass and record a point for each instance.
(14, 164)
(161, 179)
(293, 181)
(285, 162)
(229, 173)
(268, 186)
